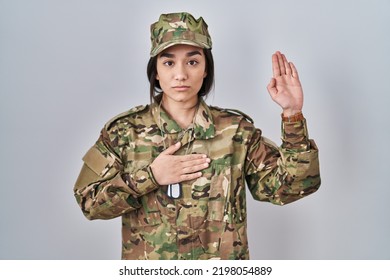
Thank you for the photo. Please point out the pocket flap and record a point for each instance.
(99, 163)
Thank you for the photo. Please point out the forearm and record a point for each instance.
(294, 133)
(104, 190)
(105, 199)
(294, 176)
(286, 174)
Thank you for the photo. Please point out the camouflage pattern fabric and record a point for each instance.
(209, 220)
(178, 28)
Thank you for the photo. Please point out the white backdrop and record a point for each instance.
(67, 67)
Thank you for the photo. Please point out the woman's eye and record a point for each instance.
(192, 62)
(168, 63)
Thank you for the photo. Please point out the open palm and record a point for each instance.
(285, 88)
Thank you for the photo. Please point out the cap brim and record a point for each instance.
(167, 45)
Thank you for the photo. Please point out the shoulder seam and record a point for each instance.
(130, 112)
(234, 112)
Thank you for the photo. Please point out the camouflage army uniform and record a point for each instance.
(209, 220)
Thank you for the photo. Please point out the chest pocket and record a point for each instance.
(220, 185)
(221, 192)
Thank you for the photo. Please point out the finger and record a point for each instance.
(195, 168)
(192, 157)
(272, 88)
(287, 65)
(190, 163)
(172, 149)
(188, 177)
(281, 63)
(294, 70)
(275, 66)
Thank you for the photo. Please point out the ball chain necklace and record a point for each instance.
(175, 190)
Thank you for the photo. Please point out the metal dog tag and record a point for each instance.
(174, 190)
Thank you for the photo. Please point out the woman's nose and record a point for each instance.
(180, 73)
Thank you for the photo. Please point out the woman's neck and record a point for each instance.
(183, 114)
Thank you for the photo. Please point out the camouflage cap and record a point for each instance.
(178, 28)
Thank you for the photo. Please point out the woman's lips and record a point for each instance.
(181, 88)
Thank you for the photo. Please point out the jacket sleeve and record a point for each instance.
(286, 174)
(103, 190)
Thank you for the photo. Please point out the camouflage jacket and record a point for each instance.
(209, 219)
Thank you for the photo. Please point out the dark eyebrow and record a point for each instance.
(189, 54)
(193, 53)
(168, 55)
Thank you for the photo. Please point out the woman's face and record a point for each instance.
(180, 72)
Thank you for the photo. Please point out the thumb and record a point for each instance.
(172, 149)
(272, 87)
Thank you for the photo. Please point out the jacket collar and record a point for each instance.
(203, 126)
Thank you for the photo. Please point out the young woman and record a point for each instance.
(175, 170)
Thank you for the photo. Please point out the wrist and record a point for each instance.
(152, 176)
(287, 112)
(292, 116)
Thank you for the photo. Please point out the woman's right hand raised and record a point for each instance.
(168, 168)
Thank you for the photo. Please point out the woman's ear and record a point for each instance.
(205, 74)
